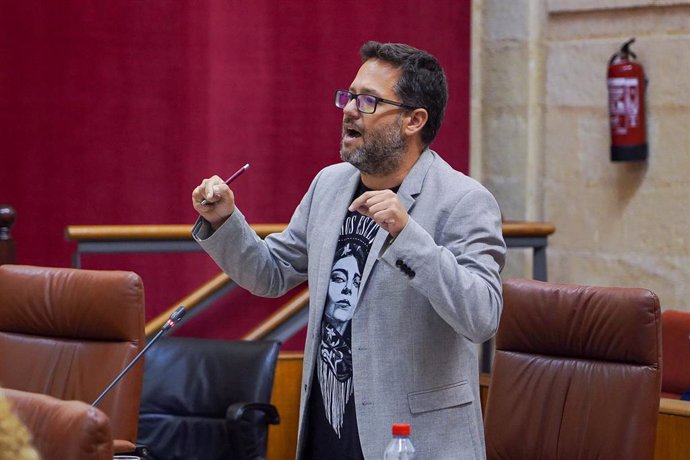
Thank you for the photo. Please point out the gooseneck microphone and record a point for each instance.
(175, 318)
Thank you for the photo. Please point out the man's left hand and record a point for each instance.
(384, 208)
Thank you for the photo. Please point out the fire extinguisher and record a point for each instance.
(627, 86)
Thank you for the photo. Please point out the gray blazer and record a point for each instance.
(426, 299)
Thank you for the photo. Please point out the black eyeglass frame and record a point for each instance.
(354, 96)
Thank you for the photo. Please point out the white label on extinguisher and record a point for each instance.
(624, 104)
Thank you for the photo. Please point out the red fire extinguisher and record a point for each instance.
(627, 86)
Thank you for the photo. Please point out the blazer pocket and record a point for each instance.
(455, 394)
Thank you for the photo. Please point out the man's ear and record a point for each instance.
(417, 118)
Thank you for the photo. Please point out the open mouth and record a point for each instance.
(350, 133)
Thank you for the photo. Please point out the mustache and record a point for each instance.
(349, 122)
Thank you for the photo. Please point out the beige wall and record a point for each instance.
(540, 137)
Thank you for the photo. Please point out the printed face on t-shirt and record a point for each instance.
(343, 289)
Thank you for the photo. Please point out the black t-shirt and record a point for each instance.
(331, 432)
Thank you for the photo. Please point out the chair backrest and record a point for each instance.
(576, 373)
(675, 338)
(189, 384)
(68, 333)
(63, 430)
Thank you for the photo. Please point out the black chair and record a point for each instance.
(207, 399)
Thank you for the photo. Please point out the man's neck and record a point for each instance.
(394, 178)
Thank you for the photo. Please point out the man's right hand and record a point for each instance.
(220, 201)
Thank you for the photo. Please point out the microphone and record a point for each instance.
(175, 318)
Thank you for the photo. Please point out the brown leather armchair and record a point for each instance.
(63, 430)
(67, 333)
(577, 373)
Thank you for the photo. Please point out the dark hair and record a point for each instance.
(353, 249)
(422, 81)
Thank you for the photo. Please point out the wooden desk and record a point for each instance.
(282, 438)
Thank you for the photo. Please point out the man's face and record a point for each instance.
(374, 143)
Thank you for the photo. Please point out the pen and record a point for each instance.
(229, 181)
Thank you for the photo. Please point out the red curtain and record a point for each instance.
(112, 111)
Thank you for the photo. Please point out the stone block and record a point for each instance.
(667, 279)
(656, 222)
(518, 264)
(506, 20)
(619, 25)
(666, 61)
(505, 139)
(594, 140)
(606, 219)
(668, 134)
(561, 145)
(576, 74)
(578, 212)
(505, 75)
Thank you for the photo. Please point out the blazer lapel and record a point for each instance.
(338, 204)
(407, 193)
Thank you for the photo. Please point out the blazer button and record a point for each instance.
(398, 263)
(411, 274)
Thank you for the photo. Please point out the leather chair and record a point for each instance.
(68, 333)
(63, 430)
(207, 399)
(576, 373)
(675, 339)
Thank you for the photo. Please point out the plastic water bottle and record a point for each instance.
(400, 447)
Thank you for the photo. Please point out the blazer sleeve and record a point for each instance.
(460, 272)
(268, 267)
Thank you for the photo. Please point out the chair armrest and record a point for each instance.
(63, 430)
(124, 447)
(247, 427)
(238, 411)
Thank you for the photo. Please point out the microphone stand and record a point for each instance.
(175, 318)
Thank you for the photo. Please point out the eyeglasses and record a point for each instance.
(366, 103)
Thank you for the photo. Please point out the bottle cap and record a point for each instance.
(401, 429)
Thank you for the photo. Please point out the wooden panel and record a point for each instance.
(673, 430)
(282, 439)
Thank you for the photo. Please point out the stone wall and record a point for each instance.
(540, 137)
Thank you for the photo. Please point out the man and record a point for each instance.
(429, 291)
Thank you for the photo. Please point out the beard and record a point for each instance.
(381, 152)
